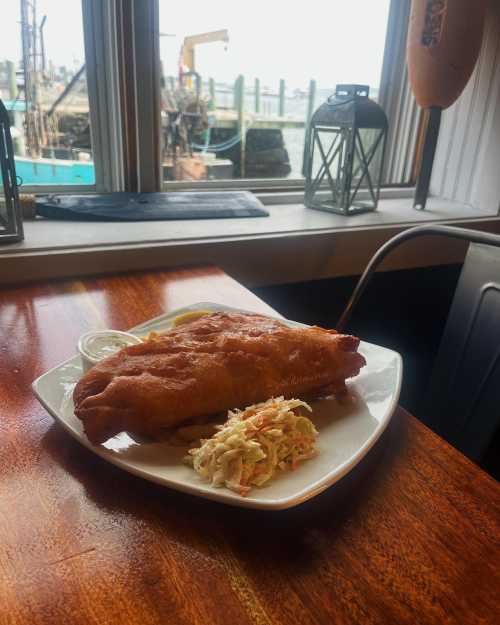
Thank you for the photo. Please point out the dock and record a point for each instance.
(230, 119)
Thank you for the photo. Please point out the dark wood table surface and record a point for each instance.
(410, 536)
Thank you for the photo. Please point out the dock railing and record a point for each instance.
(232, 102)
(244, 105)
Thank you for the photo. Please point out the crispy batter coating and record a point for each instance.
(217, 362)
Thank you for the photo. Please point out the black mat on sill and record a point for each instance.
(150, 206)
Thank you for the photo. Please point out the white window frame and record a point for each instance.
(101, 58)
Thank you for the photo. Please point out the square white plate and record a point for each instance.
(346, 433)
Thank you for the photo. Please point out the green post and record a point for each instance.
(311, 99)
(171, 83)
(239, 97)
(211, 89)
(64, 75)
(163, 83)
(282, 98)
(237, 92)
(310, 111)
(11, 79)
(257, 95)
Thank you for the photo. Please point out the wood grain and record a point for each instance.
(411, 536)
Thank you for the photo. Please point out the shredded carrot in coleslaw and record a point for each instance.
(254, 444)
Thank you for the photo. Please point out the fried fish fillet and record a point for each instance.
(217, 362)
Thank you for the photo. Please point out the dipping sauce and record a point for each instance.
(98, 344)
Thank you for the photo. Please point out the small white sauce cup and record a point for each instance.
(99, 344)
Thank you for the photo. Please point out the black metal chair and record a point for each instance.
(463, 399)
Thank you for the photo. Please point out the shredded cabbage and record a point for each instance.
(254, 443)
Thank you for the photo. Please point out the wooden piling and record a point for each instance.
(282, 98)
(163, 81)
(236, 93)
(11, 78)
(311, 101)
(257, 95)
(239, 100)
(211, 89)
(310, 110)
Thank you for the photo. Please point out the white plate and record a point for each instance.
(346, 433)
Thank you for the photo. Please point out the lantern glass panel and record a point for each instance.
(329, 146)
(3, 207)
(367, 166)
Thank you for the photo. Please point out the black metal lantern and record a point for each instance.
(11, 224)
(344, 153)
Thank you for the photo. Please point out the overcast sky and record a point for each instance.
(331, 41)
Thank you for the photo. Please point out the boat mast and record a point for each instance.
(34, 122)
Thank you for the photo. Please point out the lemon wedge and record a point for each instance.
(189, 317)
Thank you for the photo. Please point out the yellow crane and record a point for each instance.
(190, 42)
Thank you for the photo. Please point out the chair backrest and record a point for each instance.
(463, 402)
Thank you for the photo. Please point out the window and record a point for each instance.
(239, 81)
(221, 96)
(44, 87)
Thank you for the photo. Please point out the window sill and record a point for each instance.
(293, 244)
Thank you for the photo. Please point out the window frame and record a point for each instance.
(395, 96)
(121, 40)
(101, 59)
(101, 69)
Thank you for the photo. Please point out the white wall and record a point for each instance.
(467, 162)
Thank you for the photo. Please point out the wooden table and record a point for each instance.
(410, 536)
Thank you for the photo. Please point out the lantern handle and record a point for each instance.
(335, 104)
(360, 91)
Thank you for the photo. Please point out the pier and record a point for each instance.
(247, 119)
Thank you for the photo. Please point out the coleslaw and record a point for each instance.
(254, 444)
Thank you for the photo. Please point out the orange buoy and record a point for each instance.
(444, 39)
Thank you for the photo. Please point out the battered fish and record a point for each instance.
(217, 362)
